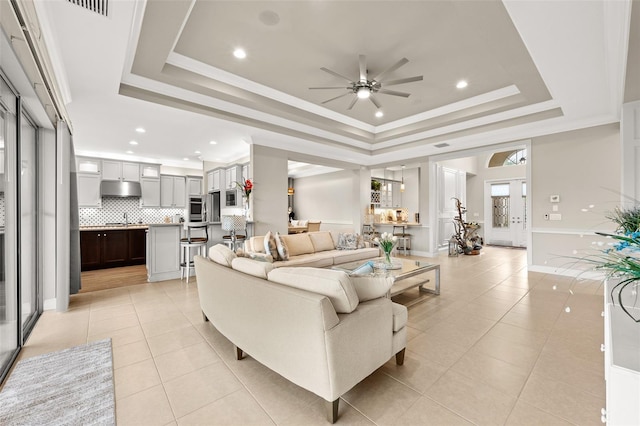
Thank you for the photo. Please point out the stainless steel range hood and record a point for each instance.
(116, 188)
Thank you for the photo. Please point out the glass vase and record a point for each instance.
(387, 258)
(247, 209)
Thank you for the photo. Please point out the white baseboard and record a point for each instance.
(575, 273)
(49, 305)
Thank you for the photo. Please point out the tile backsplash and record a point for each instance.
(113, 209)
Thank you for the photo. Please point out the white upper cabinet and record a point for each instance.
(150, 171)
(118, 170)
(150, 192)
(194, 185)
(173, 191)
(213, 180)
(88, 165)
(231, 177)
(89, 190)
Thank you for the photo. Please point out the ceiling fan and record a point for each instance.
(366, 88)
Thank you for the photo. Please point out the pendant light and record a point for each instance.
(402, 182)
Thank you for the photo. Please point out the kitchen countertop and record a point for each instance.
(107, 227)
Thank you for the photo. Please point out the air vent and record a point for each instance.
(100, 7)
(441, 145)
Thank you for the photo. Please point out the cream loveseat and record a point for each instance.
(317, 249)
(318, 328)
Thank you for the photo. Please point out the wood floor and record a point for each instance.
(104, 279)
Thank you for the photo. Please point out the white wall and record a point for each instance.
(328, 198)
(269, 196)
(583, 168)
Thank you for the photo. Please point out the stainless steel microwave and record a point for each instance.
(231, 198)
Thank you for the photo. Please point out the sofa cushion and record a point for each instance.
(281, 246)
(298, 244)
(270, 246)
(252, 267)
(344, 256)
(321, 241)
(317, 260)
(221, 254)
(370, 287)
(336, 285)
(256, 244)
(400, 316)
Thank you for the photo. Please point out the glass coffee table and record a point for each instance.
(409, 274)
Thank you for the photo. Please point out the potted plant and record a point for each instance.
(375, 185)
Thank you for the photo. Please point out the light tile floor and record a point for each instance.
(497, 347)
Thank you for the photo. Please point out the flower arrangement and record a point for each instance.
(621, 260)
(246, 186)
(386, 242)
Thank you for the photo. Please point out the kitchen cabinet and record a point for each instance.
(150, 192)
(172, 191)
(213, 180)
(101, 249)
(163, 261)
(231, 177)
(120, 170)
(149, 171)
(194, 185)
(245, 171)
(88, 165)
(89, 190)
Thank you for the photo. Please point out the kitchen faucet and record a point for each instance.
(126, 219)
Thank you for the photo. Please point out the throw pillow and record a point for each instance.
(221, 254)
(336, 285)
(270, 246)
(281, 246)
(252, 267)
(347, 241)
(262, 257)
(371, 287)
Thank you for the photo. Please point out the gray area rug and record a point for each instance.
(70, 387)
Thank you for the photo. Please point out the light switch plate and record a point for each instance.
(555, 216)
(554, 207)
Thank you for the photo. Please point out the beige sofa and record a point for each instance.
(313, 249)
(318, 328)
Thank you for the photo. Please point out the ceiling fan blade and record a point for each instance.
(335, 87)
(393, 67)
(353, 102)
(394, 93)
(337, 97)
(335, 74)
(375, 101)
(403, 80)
(362, 62)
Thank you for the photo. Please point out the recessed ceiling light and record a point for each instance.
(462, 84)
(140, 130)
(217, 159)
(240, 53)
(379, 114)
(186, 159)
(197, 152)
(213, 142)
(133, 143)
(129, 152)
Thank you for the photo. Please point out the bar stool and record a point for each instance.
(403, 238)
(369, 232)
(189, 243)
(233, 223)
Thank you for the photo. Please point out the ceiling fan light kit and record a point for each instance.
(363, 88)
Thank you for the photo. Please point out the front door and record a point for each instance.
(506, 213)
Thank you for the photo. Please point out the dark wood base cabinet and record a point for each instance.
(112, 248)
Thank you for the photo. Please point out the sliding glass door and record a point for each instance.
(20, 296)
(29, 291)
(10, 326)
